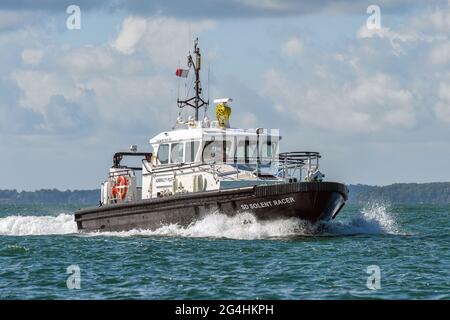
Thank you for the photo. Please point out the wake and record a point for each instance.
(37, 225)
(373, 219)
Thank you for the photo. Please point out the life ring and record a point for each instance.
(119, 191)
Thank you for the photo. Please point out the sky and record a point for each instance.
(374, 102)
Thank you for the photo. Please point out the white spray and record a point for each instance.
(373, 219)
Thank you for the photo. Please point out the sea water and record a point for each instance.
(375, 251)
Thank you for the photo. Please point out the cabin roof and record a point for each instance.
(202, 134)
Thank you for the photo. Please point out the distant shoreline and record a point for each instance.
(411, 193)
(407, 193)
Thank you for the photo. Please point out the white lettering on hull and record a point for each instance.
(267, 204)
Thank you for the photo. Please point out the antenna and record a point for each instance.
(196, 101)
(209, 69)
(178, 90)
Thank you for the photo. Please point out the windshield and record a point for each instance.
(217, 151)
(176, 153)
(163, 154)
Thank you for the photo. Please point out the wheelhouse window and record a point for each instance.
(246, 150)
(254, 151)
(163, 153)
(176, 153)
(217, 151)
(240, 151)
(191, 151)
(267, 151)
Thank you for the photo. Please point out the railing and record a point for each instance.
(295, 166)
(298, 164)
(121, 171)
(175, 166)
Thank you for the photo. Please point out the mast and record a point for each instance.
(196, 101)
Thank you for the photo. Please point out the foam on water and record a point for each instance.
(217, 225)
(373, 219)
(37, 225)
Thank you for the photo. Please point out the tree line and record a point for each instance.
(50, 196)
(414, 193)
(433, 193)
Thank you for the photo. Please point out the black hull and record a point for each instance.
(311, 201)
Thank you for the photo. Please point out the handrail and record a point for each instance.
(123, 170)
(295, 162)
(118, 156)
(178, 166)
(289, 164)
(299, 156)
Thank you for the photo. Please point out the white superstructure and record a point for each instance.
(203, 155)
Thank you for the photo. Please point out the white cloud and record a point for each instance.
(424, 34)
(436, 21)
(126, 99)
(163, 40)
(428, 26)
(245, 120)
(442, 107)
(124, 79)
(442, 110)
(396, 39)
(292, 47)
(38, 87)
(275, 5)
(440, 54)
(88, 59)
(10, 19)
(365, 32)
(369, 104)
(132, 31)
(116, 98)
(32, 56)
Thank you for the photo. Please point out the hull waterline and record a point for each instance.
(311, 201)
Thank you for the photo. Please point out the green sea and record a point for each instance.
(375, 251)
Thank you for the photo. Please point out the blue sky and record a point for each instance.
(375, 103)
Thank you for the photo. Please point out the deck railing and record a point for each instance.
(296, 165)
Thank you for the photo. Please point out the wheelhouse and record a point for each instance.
(235, 147)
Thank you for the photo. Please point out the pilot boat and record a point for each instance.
(205, 166)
